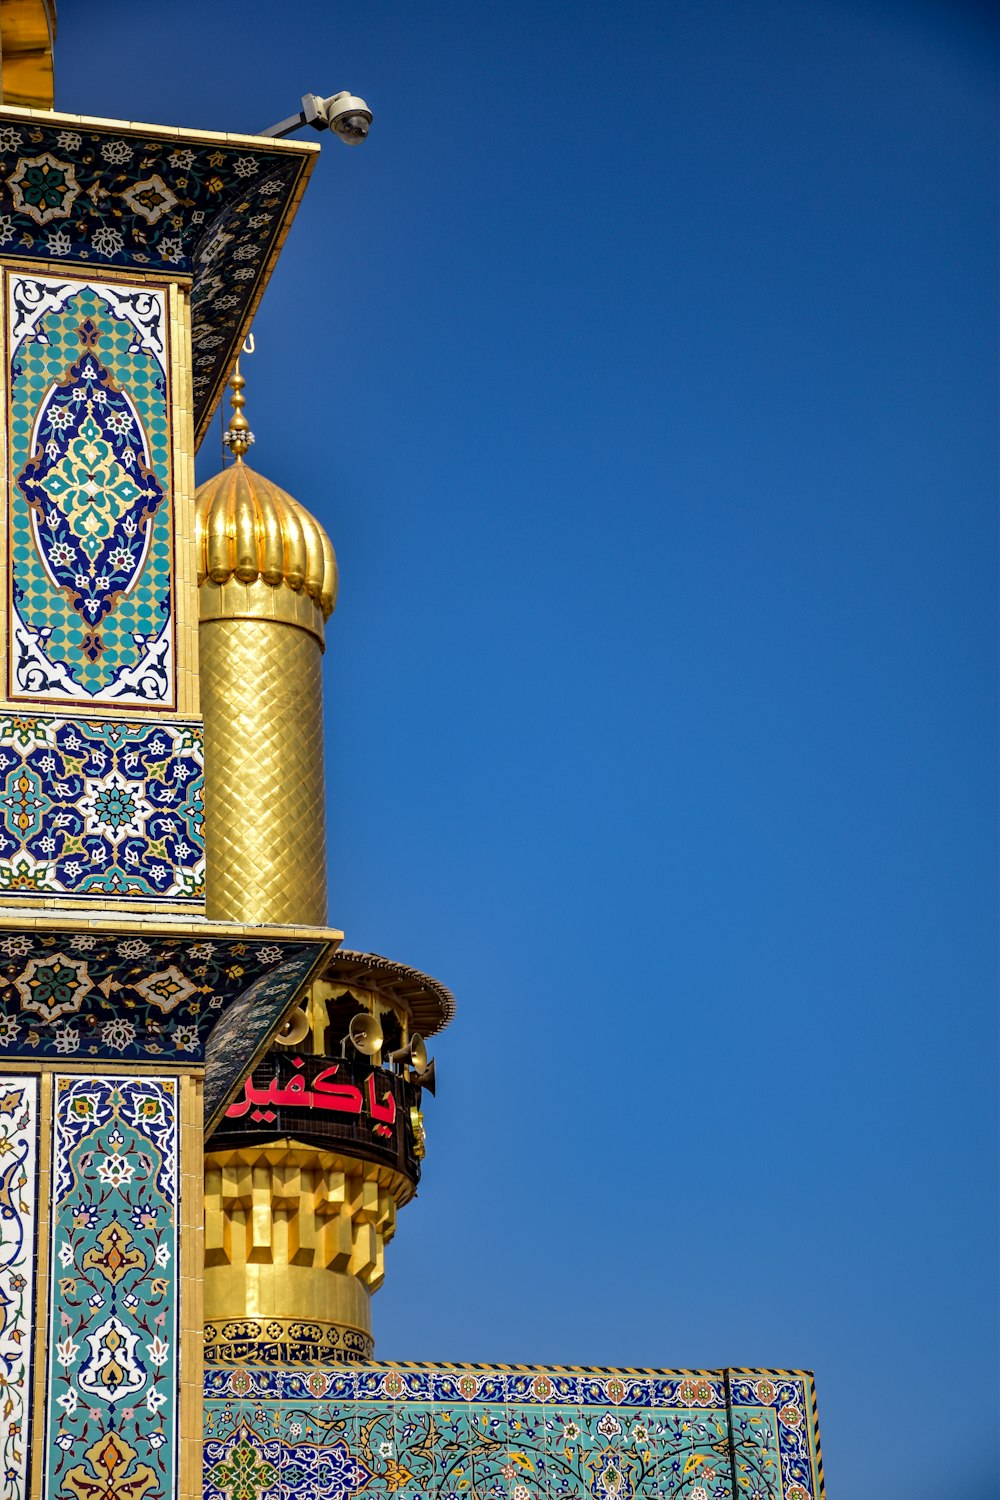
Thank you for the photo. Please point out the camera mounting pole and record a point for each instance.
(343, 113)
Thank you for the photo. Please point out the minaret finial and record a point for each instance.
(237, 436)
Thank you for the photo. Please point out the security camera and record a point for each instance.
(343, 113)
(348, 117)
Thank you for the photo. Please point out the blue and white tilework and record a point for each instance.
(111, 1408)
(97, 810)
(18, 1227)
(449, 1432)
(210, 213)
(89, 506)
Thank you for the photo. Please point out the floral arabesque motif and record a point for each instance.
(90, 511)
(18, 1190)
(140, 200)
(246, 1466)
(91, 490)
(113, 1301)
(44, 187)
(53, 986)
(112, 1470)
(125, 1016)
(418, 1434)
(92, 809)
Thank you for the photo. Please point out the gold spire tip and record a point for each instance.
(237, 436)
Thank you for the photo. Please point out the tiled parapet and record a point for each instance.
(518, 1433)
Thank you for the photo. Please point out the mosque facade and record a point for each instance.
(211, 1108)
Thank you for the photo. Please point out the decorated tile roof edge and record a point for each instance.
(448, 1367)
(202, 998)
(146, 924)
(155, 200)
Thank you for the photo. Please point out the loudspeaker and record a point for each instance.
(295, 1028)
(366, 1034)
(415, 1054)
(426, 1080)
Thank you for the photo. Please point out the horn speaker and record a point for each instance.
(415, 1054)
(365, 1034)
(295, 1028)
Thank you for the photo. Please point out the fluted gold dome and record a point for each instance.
(248, 528)
(251, 532)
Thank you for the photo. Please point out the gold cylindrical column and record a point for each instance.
(265, 840)
(267, 580)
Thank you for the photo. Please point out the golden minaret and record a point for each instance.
(306, 1172)
(267, 584)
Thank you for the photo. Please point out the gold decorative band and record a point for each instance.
(259, 600)
(233, 1341)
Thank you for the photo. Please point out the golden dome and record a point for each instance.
(248, 529)
(27, 32)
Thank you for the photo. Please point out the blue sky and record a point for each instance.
(642, 368)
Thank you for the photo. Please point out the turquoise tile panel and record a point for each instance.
(111, 1401)
(18, 1216)
(90, 512)
(467, 1433)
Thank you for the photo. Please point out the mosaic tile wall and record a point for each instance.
(92, 810)
(510, 1434)
(149, 1000)
(90, 512)
(18, 1225)
(112, 1349)
(115, 196)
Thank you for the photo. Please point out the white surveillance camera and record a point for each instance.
(348, 117)
(343, 113)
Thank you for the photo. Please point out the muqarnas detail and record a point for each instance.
(92, 809)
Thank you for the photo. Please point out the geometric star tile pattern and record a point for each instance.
(510, 1434)
(90, 509)
(92, 810)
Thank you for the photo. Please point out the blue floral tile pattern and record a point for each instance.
(162, 997)
(90, 511)
(113, 1368)
(98, 810)
(18, 1198)
(419, 1432)
(211, 213)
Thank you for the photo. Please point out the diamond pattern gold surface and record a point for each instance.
(265, 838)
